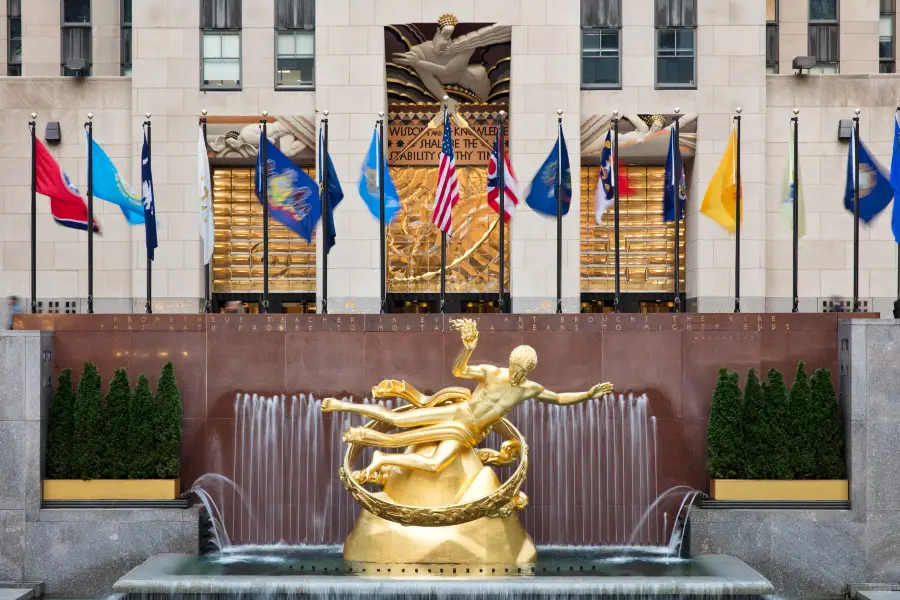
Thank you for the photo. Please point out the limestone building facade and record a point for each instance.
(236, 59)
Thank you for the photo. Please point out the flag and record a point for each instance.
(895, 179)
(541, 195)
(369, 189)
(875, 191)
(108, 185)
(66, 204)
(605, 195)
(447, 192)
(293, 196)
(510, 183)
(673, 188)
(719, 203)
(787, 192)
(335, 193)
(149, 203)
(204, 193)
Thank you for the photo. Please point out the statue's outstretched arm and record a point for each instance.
(468, 331)
(566, 398)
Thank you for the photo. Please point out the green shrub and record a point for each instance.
(142, 439)
(724, 433)
(801, 432)
(116, 425)
(87, 452)
(756, 430)
(775, 396)
(827, 428)
(167, 425)
(61, 429)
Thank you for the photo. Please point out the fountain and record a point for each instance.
(445, 523)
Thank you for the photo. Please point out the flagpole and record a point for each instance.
(501, 180)
(896, 113)
(856, 211)
(149, 260)
(446, 99)
(265, 189)
(559, 203)
(615, 181)
(737, 218)
(207, 303)
(381, 217)
(32, 126)
(796, 208)
(90, 224)
(323, 166)
(676, 193)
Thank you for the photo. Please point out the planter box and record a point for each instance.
(788, 490)
(111, 489)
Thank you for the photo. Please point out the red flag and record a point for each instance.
(510, 184)
(66, 204)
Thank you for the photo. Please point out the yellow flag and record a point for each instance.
(719, 202)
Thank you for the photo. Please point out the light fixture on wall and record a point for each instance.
(845, 129)
(804, 62)
(53, 134)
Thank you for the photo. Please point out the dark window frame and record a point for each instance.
(221, 17)
(85, 30)
(125, 37)
(815, 27)
(888, 64)
(13, 13)
(674, 15)
(601, 17)
(773, 43)
(290, 20)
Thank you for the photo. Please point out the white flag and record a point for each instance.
(204, 192)
(604, 196)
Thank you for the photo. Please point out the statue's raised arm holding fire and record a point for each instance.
(453, 418)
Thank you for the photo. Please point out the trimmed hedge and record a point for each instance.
(773, 432)
(129, 436)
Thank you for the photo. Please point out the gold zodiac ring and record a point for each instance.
(499, 503)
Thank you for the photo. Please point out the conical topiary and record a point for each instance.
(724, 433)
(800, 426)
(116, 426)
(756, 430)
(87, 450)
(775, 396)
(143, 443)
(61, 430)
(829, 429)
(167, 426)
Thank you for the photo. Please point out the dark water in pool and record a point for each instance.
(552, 561)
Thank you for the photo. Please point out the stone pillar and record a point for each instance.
(25, 368)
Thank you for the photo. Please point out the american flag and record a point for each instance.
(509, 181)
(447, 194)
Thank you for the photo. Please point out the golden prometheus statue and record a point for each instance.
(441, 501)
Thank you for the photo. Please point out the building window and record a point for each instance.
(824, 36)
(887, 54)
(75, 45)
(601, 43)
(676, 44)
(220, 47)
(771, 37)
(295, 45)
(14, 37)
(125, 51)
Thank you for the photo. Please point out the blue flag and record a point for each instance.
(108, 185)
(369, 185)
(334, 193)
(543, 189)
(293, 195)
(875, 191)
(675, 184)
(149, 202)
(895, 179)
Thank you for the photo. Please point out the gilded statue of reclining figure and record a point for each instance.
(456, 426)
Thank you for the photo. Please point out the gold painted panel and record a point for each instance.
(414, 242)
(647, 242)
(238, 252)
